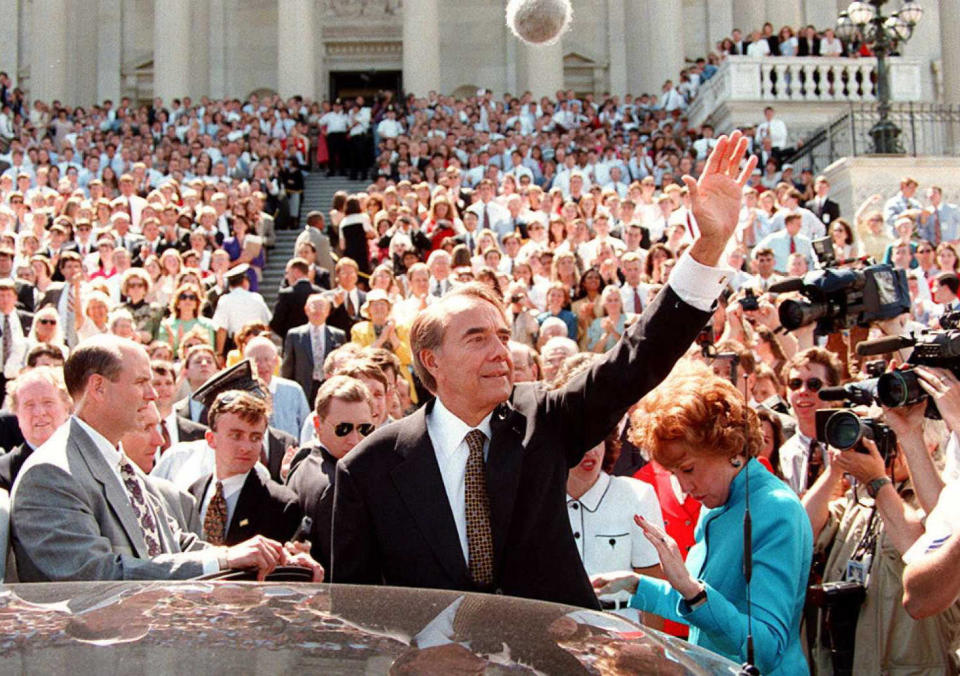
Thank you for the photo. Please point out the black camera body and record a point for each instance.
(940, 349)
(844, 429)
(839, 603)
(839, 298)
(749, 300)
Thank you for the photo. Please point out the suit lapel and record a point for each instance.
(242, 524)
(116, 497)
(275, 451)
(504, 460)
(418, 481)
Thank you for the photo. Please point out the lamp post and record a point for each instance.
(881, 33)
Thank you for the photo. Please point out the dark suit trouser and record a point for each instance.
(336, 146)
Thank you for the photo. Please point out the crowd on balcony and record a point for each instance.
(511, 286)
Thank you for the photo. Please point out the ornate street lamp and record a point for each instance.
(865, 22)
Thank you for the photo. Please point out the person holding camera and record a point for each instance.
(861, 627)
(698, 426)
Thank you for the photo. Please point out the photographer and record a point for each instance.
(862, 536)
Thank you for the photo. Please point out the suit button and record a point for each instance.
(576, 535)
(575, 506)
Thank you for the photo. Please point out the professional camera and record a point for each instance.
(839, 299)
(749, 300)
(939, 349)
(824, 251)
(839, 603)
(844, 429)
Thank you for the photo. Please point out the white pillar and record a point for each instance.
(636, 50)
(109, 47)
(784, 13)
(541, 68)
(421, 46)
(949, 54)
(296, 72)
(10, 38)
(217, 49)
(748, 15)
(617, 47)
(664, 43)
(171, 49)
(48, 50)
(719, 21)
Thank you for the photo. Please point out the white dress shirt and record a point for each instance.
(448, 436)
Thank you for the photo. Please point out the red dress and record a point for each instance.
(679, 519)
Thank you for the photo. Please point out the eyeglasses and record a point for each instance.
(813, 384)
(924, 250)
(188, 296)
(46, 321)
(345, 428)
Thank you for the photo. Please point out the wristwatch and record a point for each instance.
(876, 484)
(697, 600)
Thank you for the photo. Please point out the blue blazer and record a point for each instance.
(782, 550)
(290, 407)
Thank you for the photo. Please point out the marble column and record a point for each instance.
(949, 53)
(296, 58)
(10, 38)
(48, 51)
(749, 15)
(617, 46)
(719, 21)
(783, 13)
(421, 46)
(171, 49)
(217, 49)
(663, 37)
(109, 48)
(541, 68)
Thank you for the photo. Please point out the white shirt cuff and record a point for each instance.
(211, 560)
(696, 284)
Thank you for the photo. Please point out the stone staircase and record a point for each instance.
(318, 191)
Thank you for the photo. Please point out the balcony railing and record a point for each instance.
(803, 79)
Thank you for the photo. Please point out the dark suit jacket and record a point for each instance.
(289, 310)
(11, 462)
(187, 430)
(263, 508)
(297, 362)
(392, 521)
(52, 295)
(321, 277)
(830, 208)
(26, 295)
(808, 48)
(277, 442)
(343, 321)
(10, 434)
(313, 483)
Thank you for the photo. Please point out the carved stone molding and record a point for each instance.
(362, 8)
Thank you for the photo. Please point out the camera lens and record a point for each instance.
(899, 388)
(794, 313)
(843, 430)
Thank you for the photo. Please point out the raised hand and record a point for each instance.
(717, 196)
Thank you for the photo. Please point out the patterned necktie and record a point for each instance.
(71, 318)
(351, 309)
(793, 245)
(165, 433)
(215, 522)
(814, 462)
(479, 534)
(637, 303)
(151, 536)
(937, 232)
(7, 340)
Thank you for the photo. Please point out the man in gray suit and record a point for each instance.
(82, 511)
(306, 347)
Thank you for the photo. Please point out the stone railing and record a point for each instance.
(822, 80)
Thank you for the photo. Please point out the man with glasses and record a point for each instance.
(344, 417)
(802, 457)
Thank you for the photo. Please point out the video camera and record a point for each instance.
(839, 299)
(845, 430)
(940, 349)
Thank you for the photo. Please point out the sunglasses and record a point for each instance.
(924, 250)
(46, 321)
(345, 428)
(813, 384)
(188, 296)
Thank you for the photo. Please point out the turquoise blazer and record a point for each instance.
(782, 550)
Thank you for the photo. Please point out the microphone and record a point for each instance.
(788, 285)
(866, 348)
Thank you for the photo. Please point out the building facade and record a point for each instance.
(84, 51)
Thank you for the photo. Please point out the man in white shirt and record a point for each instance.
(238, 308)
(335, 123)
(773, 127)
(811, 227)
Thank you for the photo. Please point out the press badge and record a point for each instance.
(859, 571)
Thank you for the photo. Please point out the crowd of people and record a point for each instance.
(541, 354)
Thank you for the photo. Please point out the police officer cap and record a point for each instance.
(238, 377)
(237, 272)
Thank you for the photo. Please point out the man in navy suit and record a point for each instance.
(469, 492)
(307, 346)
(289, 311)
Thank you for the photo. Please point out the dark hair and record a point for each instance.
(43, 350)
(101, 357)
(352, 206)
(949, 280)
(776, 424)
